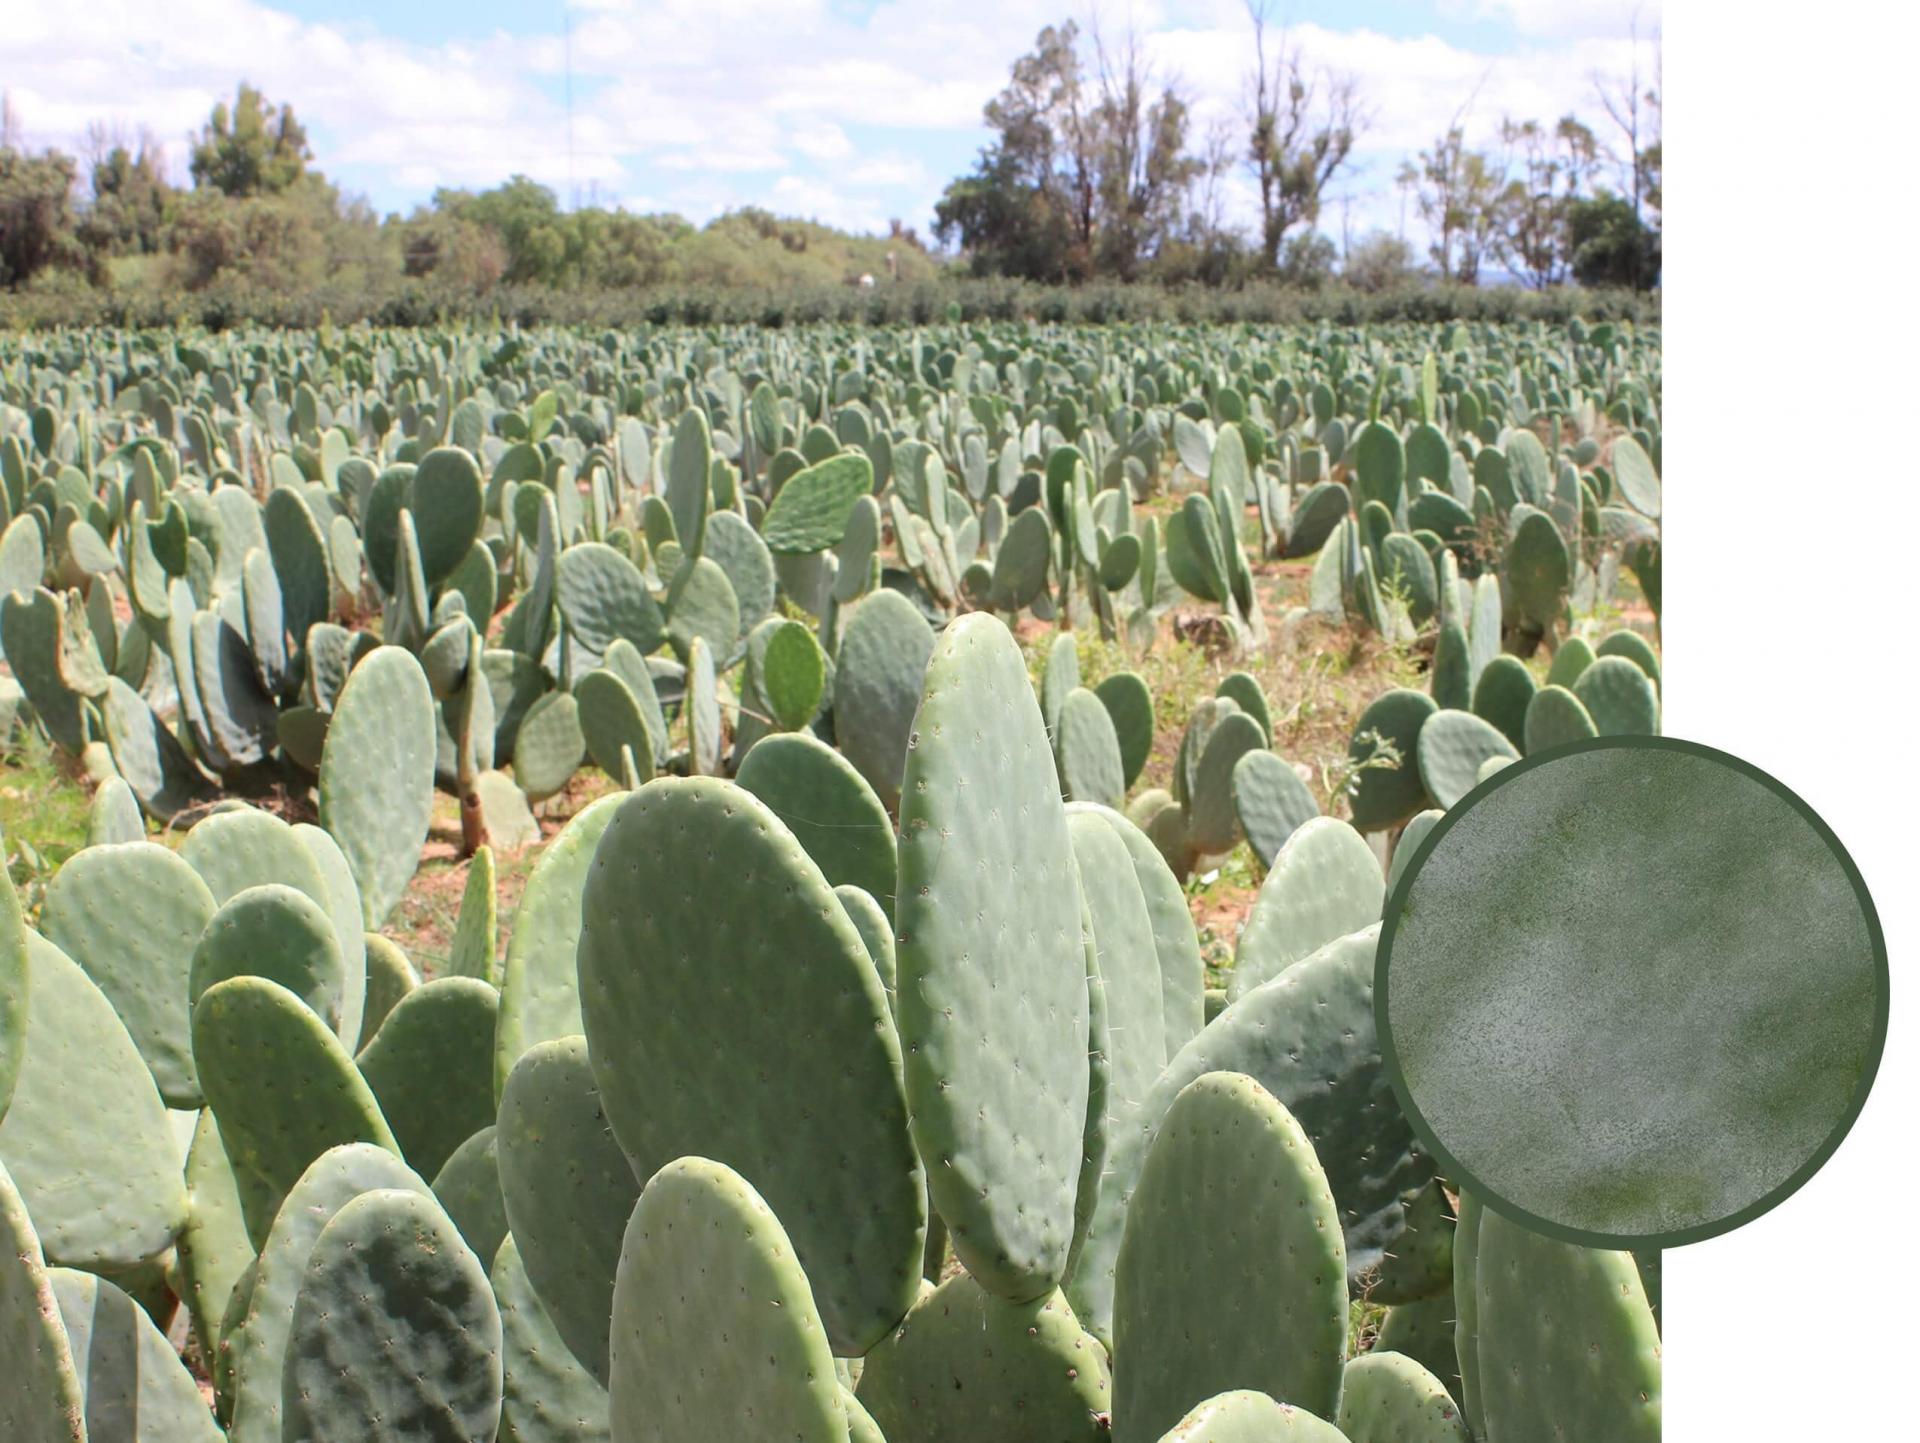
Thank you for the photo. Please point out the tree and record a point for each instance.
(1301, 131)
(1633, 106)
(1085, 174)
(36, 213)
(1532, 237)
(127, 214)
(251, 149)
(1380, 262)
(1459, 193)
(1611, 245)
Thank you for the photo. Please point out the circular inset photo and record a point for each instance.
(1632, 992)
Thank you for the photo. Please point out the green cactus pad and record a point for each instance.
(966, 1365)
(114, 815)
(1564, 1333)
(1384, 797)
(1129, 702)
(1572, 657)
(828, 807)
(549, 1398)
(1633, 473)
(1227, 1161)
(1093, 1145)
(568, 1189)
(475, 950)
(42, 1401)
(431, 1068)
(280, 1085)
(993, 1002)
(604, 599)
(147, 755)
(549, 746)
(1390, 1398)
(1538, 570)
(213, 1247)
(342, 901)
(540, 991)
(829, 1146)
(1555, 716)
(30, 640)
(792, 674)
(133, 1384)
(1270, 802)
(1420, 1265)
(876, 930)
(1620, 698)
(276, 932)
(689, 482)
(1423, 1331)
(1453, 746)
(129, 914)
(1245, 1416)
(1182, 976)
(1466, 1307)
(1408, 843)
(1129, 965)
(1623, 1093)
(86, 1136)
(714, 1325)
(811, 510)
(447, 498)
(1324, 883)
(395, 1336)
(877, 681)
(1502, 696)
(257, 1342)
(1088, 747)
(468, 1187)
(1635, 649)
(1308, 1038)
(1059, 681)
(376, 777)
(390, 976)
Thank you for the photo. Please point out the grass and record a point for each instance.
(43, 813)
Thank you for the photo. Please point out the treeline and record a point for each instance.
(1091, 179)
(259, 217)
(1093, 172)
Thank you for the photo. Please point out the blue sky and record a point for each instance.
(849, 111)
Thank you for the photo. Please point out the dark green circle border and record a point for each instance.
(1461, 1176)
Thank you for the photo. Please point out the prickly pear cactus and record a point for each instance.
(280, 1085)
(966, 1365)
(993, 1002)
(86, 1136)
(568, 1191)
(376, 775)
(1307, 1037)
(1324, 883)
(13, 991)
(1228, 1160)
(134, 1384)
(1392, 1399)
(395, 1333)
(213, 1248)
(256, 1343)
(1270, 802)
(540, 990)
(877, 682)
(1562, 1332)
(1453, 746)
(829, 1147)
(1246, 1416)
(1384, 796)
(715, 1332)
(468, 1187)
(42, 1401)
(828, 807)
(431, 1068)
(278, 933)
(549, 1397)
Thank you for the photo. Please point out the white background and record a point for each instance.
(1790, 436)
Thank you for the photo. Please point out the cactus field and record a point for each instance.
(814, 885)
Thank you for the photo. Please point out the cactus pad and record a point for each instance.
(1324, 883)
(714, 1327)
(431, 1068)
(1228, 1161)
(993, 1002)
(395, 1334)
(135, 1387)
(966, 1365)
(1390, 1398)
(376, 776)
(278, 933)
(42, 1401)
(549, 1398)
(1453, 746)
(828, 807)
(679, 1075)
